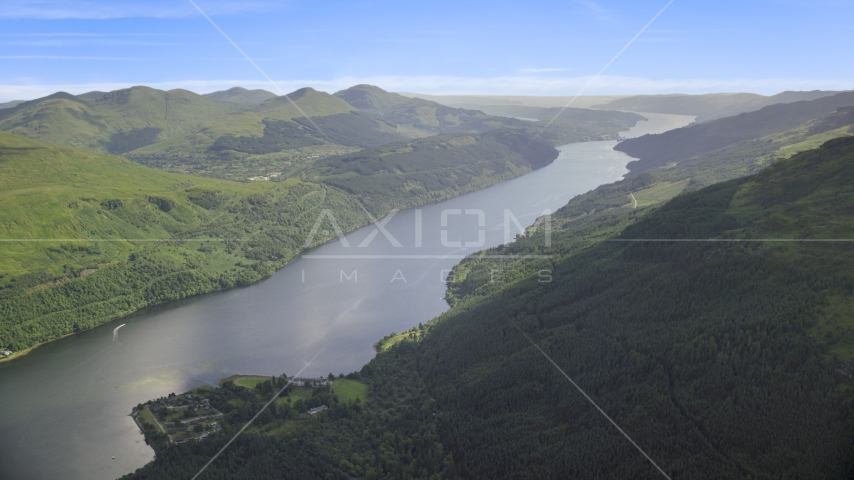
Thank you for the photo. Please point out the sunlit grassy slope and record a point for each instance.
(49, 192)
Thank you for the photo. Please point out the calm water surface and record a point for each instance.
(64, 407)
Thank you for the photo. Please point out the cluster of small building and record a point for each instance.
(264, 177)
(5, 353)
(197, 404)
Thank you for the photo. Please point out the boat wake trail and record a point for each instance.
(116, 332)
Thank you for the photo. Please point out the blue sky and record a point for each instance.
(510, 47)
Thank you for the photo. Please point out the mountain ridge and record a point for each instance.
(112, 122)
(241, 95)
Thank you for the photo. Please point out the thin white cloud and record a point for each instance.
(89, 34)
(105, 10)
(541, 70)
(594, 6)
(448, 85)
(60, 57)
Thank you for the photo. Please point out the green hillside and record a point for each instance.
(431, 169)
(660, 184)
(241, 95)
(720, 359)
(88, 237)
(684, 143)
(114, 122)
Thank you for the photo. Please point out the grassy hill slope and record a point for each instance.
(419, 117)
(114, 122)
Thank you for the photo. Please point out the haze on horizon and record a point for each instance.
(506, 47)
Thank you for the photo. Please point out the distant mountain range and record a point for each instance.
(704, 107)
(540, 101)
(708, 107)
(113, 122)
(276, 136)
(13, 103)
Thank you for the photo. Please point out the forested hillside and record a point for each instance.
(709, 106)
(684, 143)
(705, 352)
(576, 115)
(428, 169)
(721, 359)
(98, 237)
(745, 158)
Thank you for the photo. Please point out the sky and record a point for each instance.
(438, 47)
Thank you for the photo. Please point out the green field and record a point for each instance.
(350, 390)
(145, 416)
(345, 389)
(248, 381)
(659, 193)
